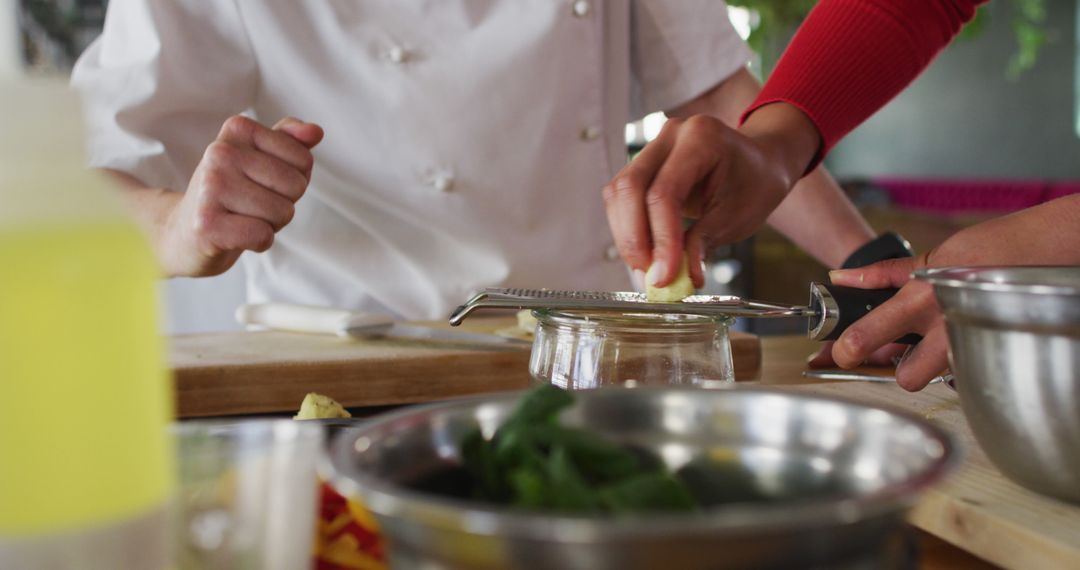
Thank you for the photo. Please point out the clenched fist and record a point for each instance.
(243, 191)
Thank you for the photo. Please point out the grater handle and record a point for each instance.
(489, 300)
(839, 307)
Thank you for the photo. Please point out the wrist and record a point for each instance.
(166, 233)
(889, 245)
(154, 211)
(787, 137)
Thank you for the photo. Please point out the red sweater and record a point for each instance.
(851, 57)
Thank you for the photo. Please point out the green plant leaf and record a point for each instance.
(542, 404)
(571, 494)
(533, 462)
(976, 26)
(599, 460)
(656, 491)
(777, 19)
(531, 490)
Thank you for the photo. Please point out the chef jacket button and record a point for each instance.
(581, 8)
(442, 182)
(611, 253)
(396, 54)
(591, 133)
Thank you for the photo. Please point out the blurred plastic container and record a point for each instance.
(86, 469)
(248, 494)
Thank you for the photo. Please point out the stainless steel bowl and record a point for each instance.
(1015, 339)
(810, 481)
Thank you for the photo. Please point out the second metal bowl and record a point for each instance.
(1014, 334)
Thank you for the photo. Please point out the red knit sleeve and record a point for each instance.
(850, 57)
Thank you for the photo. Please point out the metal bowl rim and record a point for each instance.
(951, 278)
(383, 497)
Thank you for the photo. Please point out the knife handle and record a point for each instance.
(839, 307)
(307, 318)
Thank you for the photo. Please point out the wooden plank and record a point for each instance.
(977, 508)
(938, 554)
(264, 372)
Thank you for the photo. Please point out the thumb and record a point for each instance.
(822, 358)
(309, 134)
(880, 275)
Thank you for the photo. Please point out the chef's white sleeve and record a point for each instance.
(159, 82)
(680, 49)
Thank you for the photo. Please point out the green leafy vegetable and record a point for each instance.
(598, 460)
(540, 405)
(530, 488)
(648, 492)
(572, 493)
(533, 462)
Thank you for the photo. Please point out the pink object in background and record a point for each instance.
(1063, 188)
(950, 196)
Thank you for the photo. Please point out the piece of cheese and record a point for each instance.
(319, 407)
(524, 329)
(526, 321)
(680, 288)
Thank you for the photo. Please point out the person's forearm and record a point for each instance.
(818, 217)
(837, 229)
(243, 191)
(1067, 210)
(850, 57)
(150, 208)
(1047, 234)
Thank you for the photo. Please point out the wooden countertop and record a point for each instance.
(271, 371)
(976, 508)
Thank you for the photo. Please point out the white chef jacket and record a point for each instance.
(466, 140)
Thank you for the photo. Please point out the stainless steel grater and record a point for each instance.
(830, 311)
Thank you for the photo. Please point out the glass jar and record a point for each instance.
(577, 350)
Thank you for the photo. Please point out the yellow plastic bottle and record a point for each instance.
(85, 460)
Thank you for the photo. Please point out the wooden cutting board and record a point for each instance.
(977, 508)
(270, 372)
